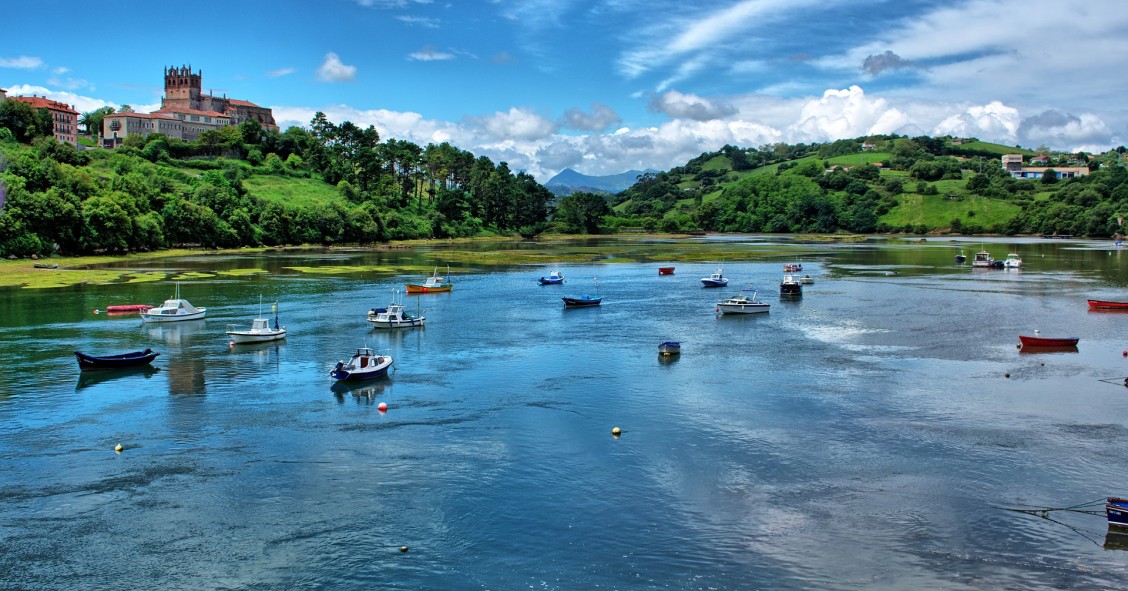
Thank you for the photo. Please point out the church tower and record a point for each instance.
(182, 88)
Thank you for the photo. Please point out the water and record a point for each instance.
(868, 435)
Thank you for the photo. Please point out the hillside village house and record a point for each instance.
(185, 113)
(63, 116)
(1012, 163)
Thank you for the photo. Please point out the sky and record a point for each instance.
(605, 87)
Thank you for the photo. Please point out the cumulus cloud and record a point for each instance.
(81, 103)
(1053, 128)
(422, 21)
(878, 63)
(600, 118)
(333, 70)
(517, 124)
(280, 72)
(690, 106)
(429, 53)
(22, 62)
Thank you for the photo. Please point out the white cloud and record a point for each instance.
(333, 70)
(22, 62)
(81, 103)
(429, 53)
(600, 118)
(690, 106)
(422, 21)
(280, 72)
(516, 124)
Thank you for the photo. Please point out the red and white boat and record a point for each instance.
(1107, 305)
(1028, 341)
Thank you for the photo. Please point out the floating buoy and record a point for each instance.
(1007, 375)
(403, 548)
(95, 310)
(118, 448)
(1018, 346)
(231, 344)
(616, 431)
(1124, 354)
(383, 406)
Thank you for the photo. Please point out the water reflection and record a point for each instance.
(91, 378)
(174, 333)
(1116, 539)
(363, 393)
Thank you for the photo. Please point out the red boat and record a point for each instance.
(1106, 305)
(665, 270)
(1048, 342)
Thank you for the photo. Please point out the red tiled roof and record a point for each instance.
(38, 102)
(191, 112)
(243, 103)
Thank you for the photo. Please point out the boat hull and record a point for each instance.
(549, 281)
(147, 316)
(582, 302)
(665, 270)
(415, 288)
(122, 361)
(790, 289)
(351, 373)
(1116, 511)
(669, 348)
(1028, 341)
(758, 308)
(405, 323)
(1107, 305)
(240, 337)
(714, 282)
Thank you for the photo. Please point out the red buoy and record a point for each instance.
(382, 407)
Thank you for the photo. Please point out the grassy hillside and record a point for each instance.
(294, 191)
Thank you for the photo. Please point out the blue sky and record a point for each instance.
(604, 87)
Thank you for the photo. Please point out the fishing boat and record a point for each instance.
(793, 267)
(669, 348)
(554, 278)
(742, 303)
(665, 270)
(260, 330)
(433, 284)
(806, 280)
(364, 365)
(173, 310)
(584, 301)
(789, 287)
(135, 359)
(394, 316)
(1028, 341)
(1107, 305)
(983, 260)
(1116, 511)
(716, 279)
(960, 258)
(1012, 261)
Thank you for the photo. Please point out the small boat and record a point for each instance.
(584, 301)
(1012, 261)
(669, 348)
(394, 316)
(46, 266)
(717, 279)
(127, 308)
(983, 260)
(960, 258)
(554, 278)
(364, 365)
(124, 360)
(793, 267)
(741, 303)
(1028, 341)
(173, 310)
(790, 287)
(260, 331)
(1116, 510)
(665, 270)
(806, 280)
(1107, 305)
(433, 284)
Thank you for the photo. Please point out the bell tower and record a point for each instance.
(182, 88)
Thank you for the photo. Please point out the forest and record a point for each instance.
(332, 183)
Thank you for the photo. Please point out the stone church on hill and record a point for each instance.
(185, 113)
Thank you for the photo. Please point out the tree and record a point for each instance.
(582, 213)
(1049, 177)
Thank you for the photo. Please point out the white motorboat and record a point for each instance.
(364, 365)
(1012, 261)
(394, 316)
(716, 279)
(173, 310)
(742, 303)
(260, 331)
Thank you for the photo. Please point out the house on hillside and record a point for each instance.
(1012, 162)
(63, 116)
(1037, 172)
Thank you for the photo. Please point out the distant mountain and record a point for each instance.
(570, 181)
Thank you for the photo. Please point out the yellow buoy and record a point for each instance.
(403, 548)
(616, 431)
(118, 448)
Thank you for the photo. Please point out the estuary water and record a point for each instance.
(871, 435)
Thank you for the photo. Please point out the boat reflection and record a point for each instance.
(1116, 539)
(363, 393)
(174, 333)
(1039, 350)
(668, 359)
(91, 378)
